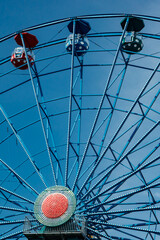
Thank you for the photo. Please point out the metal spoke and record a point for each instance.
(22, 144)
(69, 126)
(100, 106)
(38, 107)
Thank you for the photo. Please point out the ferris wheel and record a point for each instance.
(80, 124)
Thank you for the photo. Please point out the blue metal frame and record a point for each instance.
(101, 141)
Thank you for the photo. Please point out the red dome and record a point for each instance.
(54, 205)
(30, 40)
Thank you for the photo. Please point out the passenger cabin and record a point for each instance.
(18, 58)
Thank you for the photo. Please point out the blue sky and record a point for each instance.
(15, 15)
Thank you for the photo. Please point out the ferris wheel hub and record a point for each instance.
(55, 206)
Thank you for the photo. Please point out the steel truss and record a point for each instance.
(90, 123)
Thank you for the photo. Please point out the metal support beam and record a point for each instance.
(70, 102)
(100, 106)
(39, 111)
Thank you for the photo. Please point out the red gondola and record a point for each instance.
(18, 58)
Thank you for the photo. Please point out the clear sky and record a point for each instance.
(16, 15)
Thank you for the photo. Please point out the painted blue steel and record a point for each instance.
(101, 103)
(121, 125)
(16, 195)
(16, 209)
(140, 122)
(109, 116)
(22, 181)
(22, 144)
(106, 195)
(95, 16)
(85, 65)
(81, 17)
(125, 211)
(48, 127)
(18, 113)
(80, 107)
(38, 108)
(3, 61)
(12, 222)
(75, 110)
(118, 184)
(121, 159)
(127, 227)
(132, 173)
(35, 122)
(17, 234)
(78, 118)
(70, 104)
(124, 197)
(113, 107)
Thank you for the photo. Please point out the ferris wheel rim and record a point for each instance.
(81, 208)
